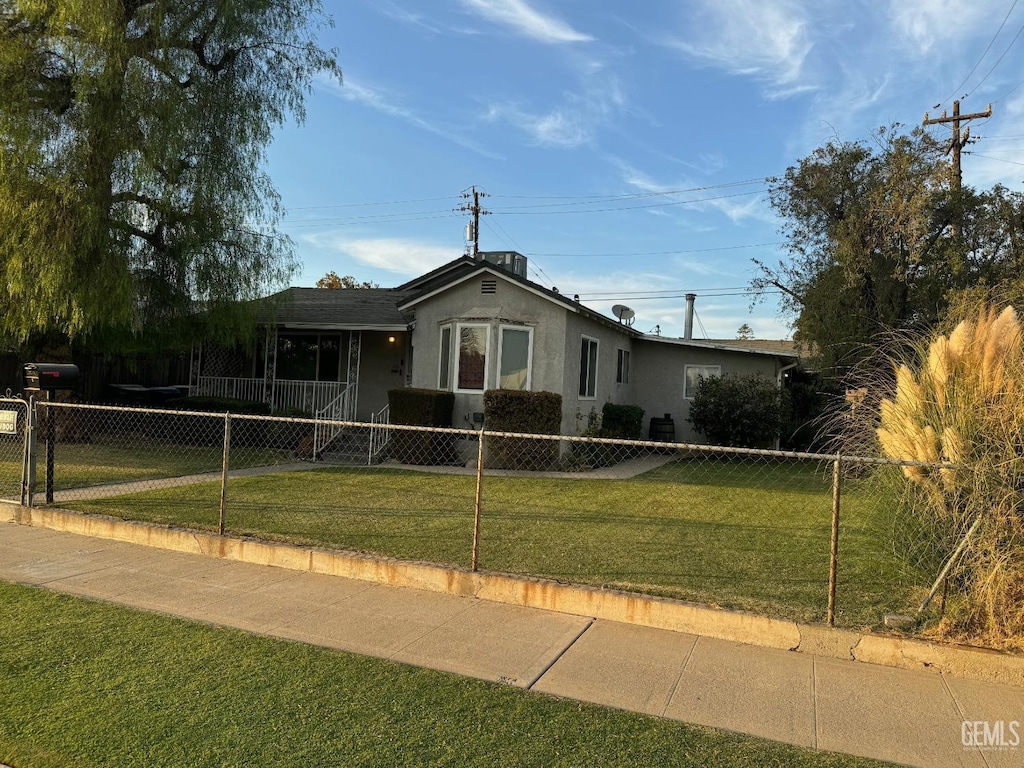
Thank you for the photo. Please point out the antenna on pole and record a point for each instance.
(473, 228)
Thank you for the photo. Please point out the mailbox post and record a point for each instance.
(40, 378)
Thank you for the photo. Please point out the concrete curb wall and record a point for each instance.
(613, 605)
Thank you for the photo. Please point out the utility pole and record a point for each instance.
(957, 142)
(476, 210)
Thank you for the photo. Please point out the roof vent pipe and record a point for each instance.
(688, 323)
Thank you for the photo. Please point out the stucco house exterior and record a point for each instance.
(471, 325)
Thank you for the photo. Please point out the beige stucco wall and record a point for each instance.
(660, 368)
(510, 304)
(656, 372)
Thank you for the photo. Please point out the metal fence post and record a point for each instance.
(479, 495)
(833, 566)
(28, 473)
(224, 474)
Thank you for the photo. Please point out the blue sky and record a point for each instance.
(623, 145)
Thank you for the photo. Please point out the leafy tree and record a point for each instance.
(331, 280)
(745, 332)
(741, 411)
(132, 137)
(865, 228)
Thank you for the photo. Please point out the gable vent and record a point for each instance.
(488, 286)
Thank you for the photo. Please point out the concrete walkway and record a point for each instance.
(909, 717)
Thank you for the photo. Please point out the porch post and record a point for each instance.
(270, 369)
(194, 368)
(354, 344)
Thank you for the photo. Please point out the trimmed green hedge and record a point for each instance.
(624, 421)
(538, 413)
(422, 408)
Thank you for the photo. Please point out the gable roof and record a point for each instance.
(455, 272)
(336, 309)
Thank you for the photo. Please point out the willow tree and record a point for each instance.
(132, 140)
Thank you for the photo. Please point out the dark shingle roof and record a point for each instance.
(335, 308)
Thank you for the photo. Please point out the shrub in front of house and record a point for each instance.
(738, 411)
(422, 408)
(622, 421)
(535, 413)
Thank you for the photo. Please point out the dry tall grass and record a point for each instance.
(960, 399)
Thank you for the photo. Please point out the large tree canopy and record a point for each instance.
(132, 139)
(878, 241)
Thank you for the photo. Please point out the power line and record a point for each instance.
(595, 199)
(1000, 159)
(1001, 57)
(667, 290)
(363, 205)
(983, 55)
(606, 299)
(660, 253)
(517, 212)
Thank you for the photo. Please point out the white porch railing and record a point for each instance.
(341, 408)
(312, 396)
(379, 437)
(229, 386)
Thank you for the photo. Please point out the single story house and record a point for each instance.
(470, 325)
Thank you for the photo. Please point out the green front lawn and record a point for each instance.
(737, 534)
(91, 684)
(79, 465)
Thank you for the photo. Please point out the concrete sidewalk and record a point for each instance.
(904, 716)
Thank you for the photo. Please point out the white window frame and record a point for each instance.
(445, 385)
(529, 352)
(622, 371)
(457, 350)
(687, 394)
(597, 358)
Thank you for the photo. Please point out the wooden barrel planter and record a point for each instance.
(663, 430)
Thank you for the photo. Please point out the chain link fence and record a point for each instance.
(809, 537)
(14, 427)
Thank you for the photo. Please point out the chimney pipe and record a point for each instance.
(688, 323)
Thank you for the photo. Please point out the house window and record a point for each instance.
(622, 367)
(693, 375)
(444, 371)
(515, 351)
(471, 363)
(588, 368)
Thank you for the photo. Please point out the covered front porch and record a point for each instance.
(340, 374)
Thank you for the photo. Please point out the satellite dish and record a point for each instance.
(624, 313)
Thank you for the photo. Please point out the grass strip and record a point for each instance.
(85, 684)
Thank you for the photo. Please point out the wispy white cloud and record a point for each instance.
(526, 20)
(734, 204)
(561, 127)
(423, 22)
(573, 123)
(931, 23)
(765, 39)
(380, 100)
(396, 255)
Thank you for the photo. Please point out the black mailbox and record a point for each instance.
(48, 377)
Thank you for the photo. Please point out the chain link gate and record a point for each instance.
(15, 430)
